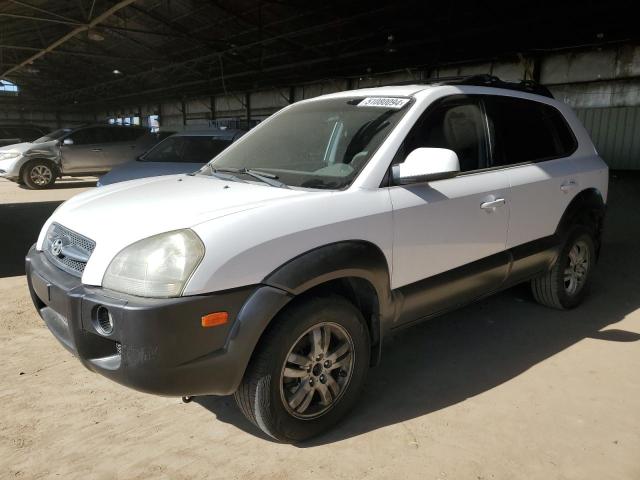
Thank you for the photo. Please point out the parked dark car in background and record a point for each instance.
(180, 153)
(10, 134)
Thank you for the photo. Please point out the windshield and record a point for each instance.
(186, 149)
(55, 135)
(320, 144)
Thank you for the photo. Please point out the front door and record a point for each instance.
(85, 154)
(443, 225)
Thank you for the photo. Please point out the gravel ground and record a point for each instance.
(502, 389)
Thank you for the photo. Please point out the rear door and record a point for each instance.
(533, 143)
(123, 146)
(443, 225)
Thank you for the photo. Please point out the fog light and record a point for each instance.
(103, 320)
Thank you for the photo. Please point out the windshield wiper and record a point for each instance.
(264, 177)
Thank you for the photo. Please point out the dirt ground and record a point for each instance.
(502, 389)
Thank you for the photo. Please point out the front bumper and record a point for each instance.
(157, 345)
(10, 168)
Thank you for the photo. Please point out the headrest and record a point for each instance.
(461, 126)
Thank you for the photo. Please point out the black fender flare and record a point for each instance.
(587, 207)
(350, 259)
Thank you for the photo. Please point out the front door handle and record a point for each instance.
(493, 204)
(96, 149)
(568, 186)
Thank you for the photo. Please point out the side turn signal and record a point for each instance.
(215, 319)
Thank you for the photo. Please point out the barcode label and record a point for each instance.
(385, 102)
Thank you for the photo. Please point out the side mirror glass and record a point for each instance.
(425, 165)
(67, 141)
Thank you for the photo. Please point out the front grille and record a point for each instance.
(67, 249)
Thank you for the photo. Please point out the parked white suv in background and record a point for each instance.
(276, 271)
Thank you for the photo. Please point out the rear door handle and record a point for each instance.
(96, 149)
(492, 205)
(568, 186)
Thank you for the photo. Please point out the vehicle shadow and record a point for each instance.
(20, 225)
(462, 354)
(63, 184)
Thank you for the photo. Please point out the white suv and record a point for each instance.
(276, 271)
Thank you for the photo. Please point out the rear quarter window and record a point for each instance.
(527, 131)
(127, 134)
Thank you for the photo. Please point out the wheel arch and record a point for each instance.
(587, 208)
(355, 269)
(56, 167)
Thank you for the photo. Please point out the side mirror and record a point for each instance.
(425, 165)
(67, 141)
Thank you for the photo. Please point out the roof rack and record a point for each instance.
(484, 80)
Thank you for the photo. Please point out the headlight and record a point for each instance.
(9, 155)
(157, 266)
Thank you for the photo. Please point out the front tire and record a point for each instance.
(566, 284)
(39, 174)
(308, 369)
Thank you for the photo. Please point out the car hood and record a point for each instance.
(30, 147)
(118, 215)
(136, 169)
(17, 147)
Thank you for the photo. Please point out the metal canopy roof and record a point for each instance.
(100, 52)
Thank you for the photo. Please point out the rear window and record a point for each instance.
(185, 149)
(527, 131)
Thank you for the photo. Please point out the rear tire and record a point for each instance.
(308, 369)
(39, 174)
(567, 283)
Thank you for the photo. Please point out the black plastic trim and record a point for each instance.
(348, 259)
(452, 289)
(157, 345)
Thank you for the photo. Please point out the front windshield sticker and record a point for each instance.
(385, 102)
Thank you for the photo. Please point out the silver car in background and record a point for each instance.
(183, 152)
(80, 151)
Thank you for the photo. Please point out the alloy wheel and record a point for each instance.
(575, 274)
(317, 370)
(41, 175)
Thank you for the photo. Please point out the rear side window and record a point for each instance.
(126, 134)
(527, 131)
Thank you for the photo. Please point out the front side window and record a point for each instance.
(185, 149)
(55, 135)
(455, 123)
(320, 144)
(89, 136)
(527, 131)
